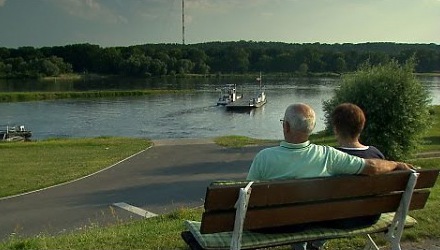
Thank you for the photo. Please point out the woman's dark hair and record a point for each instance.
(348, 120)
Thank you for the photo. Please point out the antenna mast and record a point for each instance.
(183, 22)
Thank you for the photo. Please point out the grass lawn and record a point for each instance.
(55, 161)
(27, 166)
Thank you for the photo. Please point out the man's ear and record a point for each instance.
(286, 127)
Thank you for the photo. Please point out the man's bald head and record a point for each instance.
(300, 117)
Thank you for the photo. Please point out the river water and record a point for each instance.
(190, 115)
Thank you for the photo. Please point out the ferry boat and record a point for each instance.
(16, 133)
(228, 94)
(255, 102)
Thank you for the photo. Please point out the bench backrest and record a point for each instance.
(282, 203)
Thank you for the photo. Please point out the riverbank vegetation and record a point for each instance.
(210, 58)
(163, 232)
(238, 141)
(38, 96)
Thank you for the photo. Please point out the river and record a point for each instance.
(190, 115)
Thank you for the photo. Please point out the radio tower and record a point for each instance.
(183, 22)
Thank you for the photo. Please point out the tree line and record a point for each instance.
(211, 58)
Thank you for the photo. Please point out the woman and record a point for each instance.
(348, 121)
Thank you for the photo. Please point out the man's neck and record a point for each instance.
(297, 139)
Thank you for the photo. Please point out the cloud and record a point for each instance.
(88, 10)
(223, 4)
(2, 2)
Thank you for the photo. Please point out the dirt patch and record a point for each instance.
(429, 244)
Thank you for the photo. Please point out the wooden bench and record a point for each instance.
(235, 212)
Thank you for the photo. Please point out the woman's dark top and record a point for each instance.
(367, 152)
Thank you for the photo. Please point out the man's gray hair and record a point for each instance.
(300, 117)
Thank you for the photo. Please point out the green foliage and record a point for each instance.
(395, 103)
(213, 57)
(33, 67)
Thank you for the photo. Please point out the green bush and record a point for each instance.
(395, 103)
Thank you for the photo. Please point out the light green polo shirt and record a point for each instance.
(304, 160)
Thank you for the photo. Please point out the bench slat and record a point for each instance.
(257, 218)
(224, 197)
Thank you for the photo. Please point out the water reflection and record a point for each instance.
(433, 85)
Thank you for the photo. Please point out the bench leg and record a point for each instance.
(371, 245)
(395, 231)
(241, 206)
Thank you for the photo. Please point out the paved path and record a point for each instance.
(169, 175)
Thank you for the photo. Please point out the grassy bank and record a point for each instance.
(163, 232)
(38, 96)
(27, 166)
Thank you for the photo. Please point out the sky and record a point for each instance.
(109, 23)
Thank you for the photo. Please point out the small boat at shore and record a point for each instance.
(255, 102)
(228, 94)
(16, 133)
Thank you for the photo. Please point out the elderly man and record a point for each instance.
(297, 157)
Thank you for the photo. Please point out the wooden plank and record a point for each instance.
(315, 189)
(427, 178)
(275, 216)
